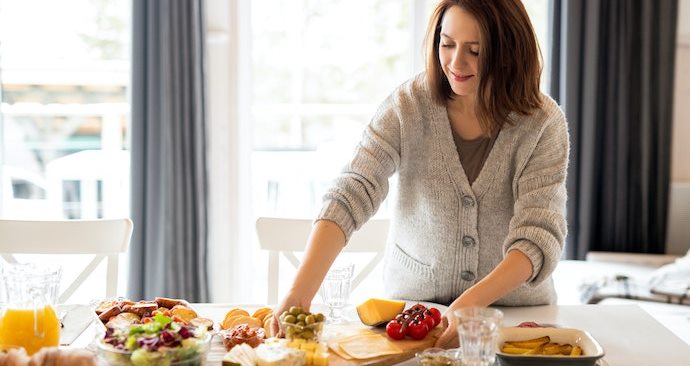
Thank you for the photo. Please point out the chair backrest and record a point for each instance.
(288, 235)
(104, 238)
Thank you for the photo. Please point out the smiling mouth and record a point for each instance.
(460, 77)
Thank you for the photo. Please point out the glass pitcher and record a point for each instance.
(28, 318)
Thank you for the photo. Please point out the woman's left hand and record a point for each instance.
(449, 337)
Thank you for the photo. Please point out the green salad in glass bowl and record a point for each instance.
(159, 342)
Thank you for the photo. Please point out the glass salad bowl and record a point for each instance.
(159, 342)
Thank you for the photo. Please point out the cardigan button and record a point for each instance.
(467, 241)
(467, 201)
(467, 276)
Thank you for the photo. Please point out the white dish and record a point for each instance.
(592, 350)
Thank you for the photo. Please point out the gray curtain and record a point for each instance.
(169, 180)
(612, 72)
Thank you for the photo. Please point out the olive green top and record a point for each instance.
(473, 154)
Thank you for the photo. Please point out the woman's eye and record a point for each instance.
(447, 45)
(474, 51)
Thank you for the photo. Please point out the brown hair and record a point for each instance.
(509, 60)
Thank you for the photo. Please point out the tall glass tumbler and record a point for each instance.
(335, 291)
(478, 329)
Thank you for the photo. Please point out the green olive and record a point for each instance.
(320, 317)
(301, 317)
(295, 310)
(300, 323)
(307, 334)
(290, 332)
(310, 319)
(289, 319)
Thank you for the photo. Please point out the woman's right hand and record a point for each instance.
(293, 298)
(325, 242)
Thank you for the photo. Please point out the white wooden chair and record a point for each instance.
(288, 235)
(104, 238)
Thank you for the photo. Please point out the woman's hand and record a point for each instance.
(291, 299)
(449, 337)
(325, 243)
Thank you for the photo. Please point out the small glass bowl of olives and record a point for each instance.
(298, 323)
(439, 357)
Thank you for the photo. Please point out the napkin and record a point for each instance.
(77, 318)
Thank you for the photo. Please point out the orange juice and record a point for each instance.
(17, 328)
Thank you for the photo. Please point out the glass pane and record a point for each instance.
(64, 117)
(320, 69)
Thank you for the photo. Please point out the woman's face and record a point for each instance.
(459, 50)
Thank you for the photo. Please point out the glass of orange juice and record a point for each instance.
(28, 319)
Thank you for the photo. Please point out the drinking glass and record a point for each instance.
(335, 291)
(478, 333)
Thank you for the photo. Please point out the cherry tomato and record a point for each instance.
(418, 307)
(429, 321)
(395, 330)
(418, 330)
(436, 314)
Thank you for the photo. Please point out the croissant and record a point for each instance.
(49, 356)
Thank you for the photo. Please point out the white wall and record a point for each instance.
(680, 171)
(678, 236)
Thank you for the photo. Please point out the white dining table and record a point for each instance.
(629, 335)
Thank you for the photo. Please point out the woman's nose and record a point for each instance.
(459, 59)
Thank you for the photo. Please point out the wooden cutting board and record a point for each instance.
(408, 346)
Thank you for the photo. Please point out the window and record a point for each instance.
(64, 117)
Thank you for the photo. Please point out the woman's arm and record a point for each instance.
(325, 243)
(513, 271)
(323, 246)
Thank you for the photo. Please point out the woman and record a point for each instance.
(481, 157)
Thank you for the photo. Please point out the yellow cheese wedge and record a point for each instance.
(378, 311)
(369, 346)
(320, 359)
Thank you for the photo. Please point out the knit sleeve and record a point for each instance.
(538, 227)
(361, 187)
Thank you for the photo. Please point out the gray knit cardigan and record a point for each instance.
(446, 234)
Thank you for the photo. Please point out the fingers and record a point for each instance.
(448, 339)
(276, 329)
(288, 302)
(444, 322)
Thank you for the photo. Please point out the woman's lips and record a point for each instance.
(460, 77)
